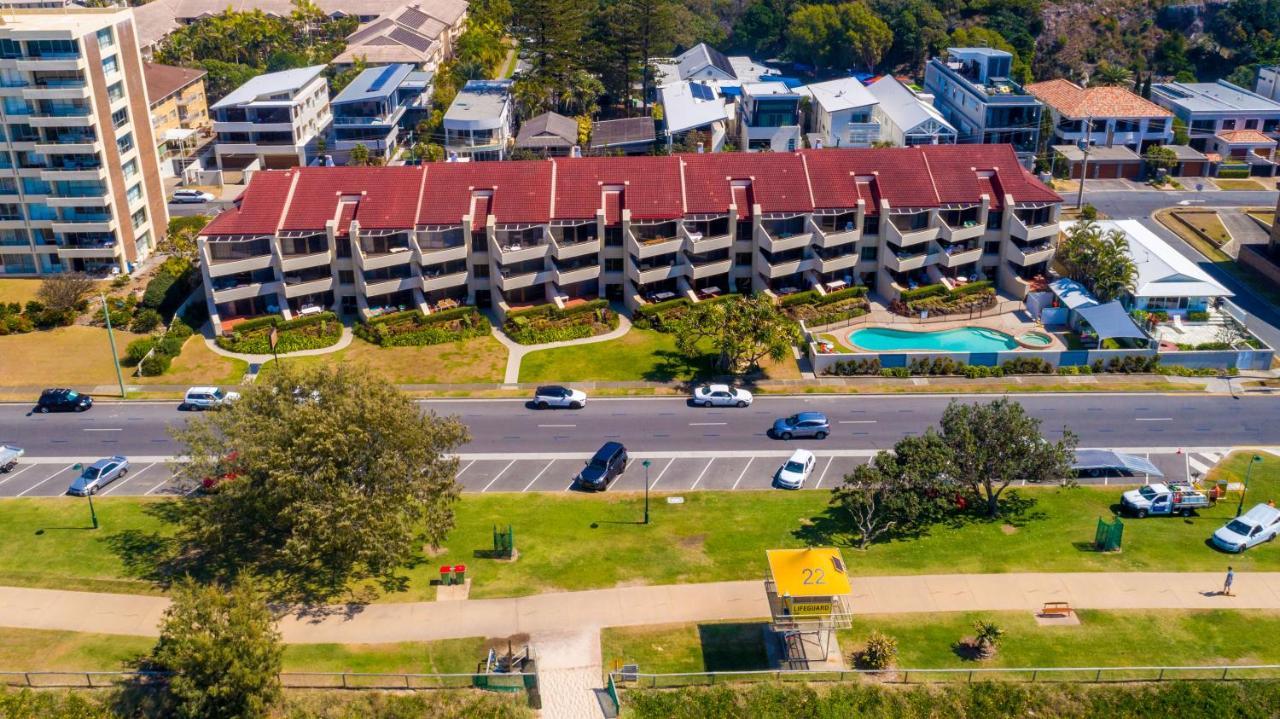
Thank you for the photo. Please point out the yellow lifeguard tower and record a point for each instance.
(808, 601)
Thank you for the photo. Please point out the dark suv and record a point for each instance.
(608, 462)
(63, 400)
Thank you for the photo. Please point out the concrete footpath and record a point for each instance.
(545, 614)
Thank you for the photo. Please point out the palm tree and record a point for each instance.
(1108, 74)
(1113, 270)
(988, 635)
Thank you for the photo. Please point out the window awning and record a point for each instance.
(1111, 321)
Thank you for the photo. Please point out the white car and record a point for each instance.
(797, 468)
(557, 396)
(185, 197)
(208, 398)
(1256, 526)
(721, 395)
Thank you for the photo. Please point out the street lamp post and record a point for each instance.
(646, 490)
(1248, 471)
(93, 514)
(115, 357)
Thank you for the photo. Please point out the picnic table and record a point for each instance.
(662, 296)
(310, 310)
(446, 304)
(711, 291)
(837, 285)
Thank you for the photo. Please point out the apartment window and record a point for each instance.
(1251, 124)
(742, 259)
(480, 271)
(37, 211)
(144, 241)
(1270, 125)
(346, 277)
(125, 142)
(613, 237)
(868, 253)
(120, 117)
(134, 193)
(991, 248)
(115, 91)
(139, 218)
(344, 246)
(871, 225)
(995, 220)
(130, 169)
(110, 65)
(105, 38)
(613, 264)
(1126, 125)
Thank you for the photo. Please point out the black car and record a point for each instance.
(609, 462)
(63, 400)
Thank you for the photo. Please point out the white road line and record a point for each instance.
(499, 474)
(664, 471)
(121, 482)
(704, 471)
(1214, 457)
(1153, 419)
(824, 473)
(707, 424)
(149, 492)
(46, 479)
(104, 429)
(1197, 466)
(539, 474)
(459, 474)
(857, 421)
(15, 474)
(557, 425)
(744, 473)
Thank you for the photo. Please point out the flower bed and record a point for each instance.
(414, 328)
(660, 314)
(548, 323)
(817, 310)
(938, 300)
(305, 333)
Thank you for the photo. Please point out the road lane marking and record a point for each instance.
(857, 421)
(499, 474)
(1154, 419)
(743, 474)
(539, 474)
(104, 429)
(46, 479)
(664, 471)
(707, 424)
(459, 474)
(121, 482)
(15, 474)
(557, 425)
(704, 471)
(824, 473)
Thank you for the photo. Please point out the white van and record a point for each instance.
(207, 398)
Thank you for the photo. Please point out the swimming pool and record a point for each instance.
(960, 339)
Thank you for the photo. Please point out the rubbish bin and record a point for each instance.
(460, 573)
(446, 575)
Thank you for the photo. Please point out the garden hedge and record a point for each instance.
(548, 323)
(413, 328)
(921, 293)
(304, 333)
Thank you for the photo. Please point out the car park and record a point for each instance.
(1254, 527)
(804, 424)
(207, 398)
(557, 396)
(185, 197)
(793, 472)
(605, 466)
(721, 395)
(9, 457)
(98, 475)
(63, 400)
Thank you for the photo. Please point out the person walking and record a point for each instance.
(1226, 585)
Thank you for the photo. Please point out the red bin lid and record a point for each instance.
(460, 568)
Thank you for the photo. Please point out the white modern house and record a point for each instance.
(907, 117)
(694, 106)
(272, 119)
(703, 63)
(1167, 280)
(770, 117)
(478, 123)
(842, 113)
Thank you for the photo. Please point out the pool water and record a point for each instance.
(961, 339)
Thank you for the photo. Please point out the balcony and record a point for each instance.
(906, 261)
(572, 275)
(69, 173)
(515, 280)
(957, 255)
(514, 246)
(444, 280)
(782, 238)
(231, 266)
(830, 231)
(91, 201)
(835, 262)
(375, 253)
(61, 118)
(243, 292)
(1020, 229)
(568, 242)
(67, 146)
(104, 251)
(299, 289)
(434, 252)
(85, 223)
(1027, 255)
(372, 288)
(57, 90)
(646, 275)
(290, 263)
(905, 233)
(711, 269)
(644, 242)
(961, 231)
(53, 62)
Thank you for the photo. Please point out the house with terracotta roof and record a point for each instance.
(1104, 117)
(1248, 150)
(512, 234)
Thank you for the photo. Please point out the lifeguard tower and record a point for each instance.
(808, 601)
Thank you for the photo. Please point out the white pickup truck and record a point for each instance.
(1164, 499)
(9, 457)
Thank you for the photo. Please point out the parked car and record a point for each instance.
(805, 424)
(603, 468)
(63, 400)
(794, 471)
(9, 456)
(207, 398)
(185, 197)
(1164, 499)
(557, 396)
(98, 475)
(1256, 526)
(721, 395)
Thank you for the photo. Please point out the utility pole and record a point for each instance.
(1248, 471)
(646, 491)
(1084, 165)
(111, 337)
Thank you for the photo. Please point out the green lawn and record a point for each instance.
(572, 542)
(479, 360)
(44, 650)
(679, 648)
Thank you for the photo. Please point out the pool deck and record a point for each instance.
(1011, 323)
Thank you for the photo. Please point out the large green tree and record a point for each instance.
(1098, 260)
(222, 645)
(627, 36)
(337, 478)
(838, 37)
(919, 31)
(995, 444)
(741, 331)
(897, 492)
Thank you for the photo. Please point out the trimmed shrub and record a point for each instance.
(145, 321)
(971, 287)
(1027, 365)
(548, 323)
(849, 368)
(413, 328)
(156, 364)
(808, 297)
(138, 349)
(312, 332)
(1231, 173)
(921, 293)
(1195, 316)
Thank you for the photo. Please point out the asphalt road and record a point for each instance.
(670, 425)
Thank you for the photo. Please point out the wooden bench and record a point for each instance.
(1057, 609)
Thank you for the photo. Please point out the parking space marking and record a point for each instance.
(131, 475)
(704, 471)
(824, 473)
(707, 424)
(15, 474)
(499, 474)
(857, 421)
(744, 473)
(459, 474)
(46, 479)
(539, 474)
(1154, 419)
(664, 471)
(149, 492)
(104, 429)
(557, 425)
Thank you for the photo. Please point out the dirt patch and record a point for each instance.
(1008, 529)
(694, 541)
(499, 644)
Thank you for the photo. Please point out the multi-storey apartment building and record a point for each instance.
(80, 186)
(375, 109)
(770, 117)
(272, 119)
(626, 228)
(478, 123)
(972, 88)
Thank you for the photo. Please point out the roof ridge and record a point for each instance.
(288, 199)
(933, 182)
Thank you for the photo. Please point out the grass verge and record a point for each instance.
(18, 290)
(1238, 185)
(481, 360)
(1254, 281)
(78, 356)
(197, 364)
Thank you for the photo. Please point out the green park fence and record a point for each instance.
(512, 682)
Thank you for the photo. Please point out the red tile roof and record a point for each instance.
(653, 187)
(1071, 100)
(1245, 137)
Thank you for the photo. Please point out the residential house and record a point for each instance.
(80, 182)
(972, 88)
(156, 19)
(478, 124)
(507, 234)
(1268, 82)
(841, 114)
(1104, 117)
(695, 107)
(770, 117)
(1211, 108)
(703, 63)
(1166, 280)
(420, 34)
(548, 134)
(907, 117)
(628, 135)
(1245, 150)
(272, 120)
(377, 109)
(179, 113)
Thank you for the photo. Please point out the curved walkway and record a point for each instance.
(342, 343)
(517, 351)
